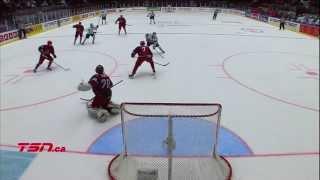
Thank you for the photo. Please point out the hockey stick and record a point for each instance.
(66, 69)
(166, 64)
(117, 83)
(159, 54)
(111, 87)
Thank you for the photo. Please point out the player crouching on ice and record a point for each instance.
(45, 53)
(91, 31)
(144, 54)
(152, 39)
(101, 106)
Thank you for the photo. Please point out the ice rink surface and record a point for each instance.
(266, 80)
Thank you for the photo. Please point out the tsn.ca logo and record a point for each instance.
(40, 147)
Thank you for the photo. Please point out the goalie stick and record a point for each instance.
(111, 87)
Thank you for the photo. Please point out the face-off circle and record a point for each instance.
(55, 84)
(263, 73)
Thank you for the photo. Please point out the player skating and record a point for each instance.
(152, 39)
(144, 54)
(122, 24)
(45, 54)
(101, 106)
(79, 32)
(215, 14)
(151, 16)
(104, 17)
(91, 31)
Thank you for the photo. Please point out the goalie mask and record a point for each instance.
(99, 69)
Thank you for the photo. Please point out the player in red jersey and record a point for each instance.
(79, 32)
(46, 51)
(144, 54)
(101, 85)
(122, 24)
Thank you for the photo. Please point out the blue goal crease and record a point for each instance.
(193, 137)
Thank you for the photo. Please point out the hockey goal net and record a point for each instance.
(170, 141)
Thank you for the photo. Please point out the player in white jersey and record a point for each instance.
(104, 17)
(91, 31)
(151, 16)
(215, 14)
(152, 39)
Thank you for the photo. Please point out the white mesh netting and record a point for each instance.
(166, 141)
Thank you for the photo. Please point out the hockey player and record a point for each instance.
(152, 39)
(151, 16)
(101, 86)
(91, 31)
(45, 54)
(215, 14)
(79, 32)
(144, 54)
(104, 17)
(122, 24)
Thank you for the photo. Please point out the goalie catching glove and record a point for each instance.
(84, 86)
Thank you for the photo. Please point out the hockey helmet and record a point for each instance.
(154, 33)
(79, 22)
(142, 43)
(99, 69)
(91, 25)
(49, 42)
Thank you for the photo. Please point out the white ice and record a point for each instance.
(259, 74)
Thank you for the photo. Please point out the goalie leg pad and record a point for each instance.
(102, 115)
(97, 113)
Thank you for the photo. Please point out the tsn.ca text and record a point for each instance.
(40, 147)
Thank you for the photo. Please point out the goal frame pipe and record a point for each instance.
(215, 153)
(171, 104)
(124, 137)
(170, 145)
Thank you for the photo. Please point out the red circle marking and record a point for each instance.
(65, 95)
(256, 90)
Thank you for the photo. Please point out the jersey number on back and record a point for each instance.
(105, 83)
